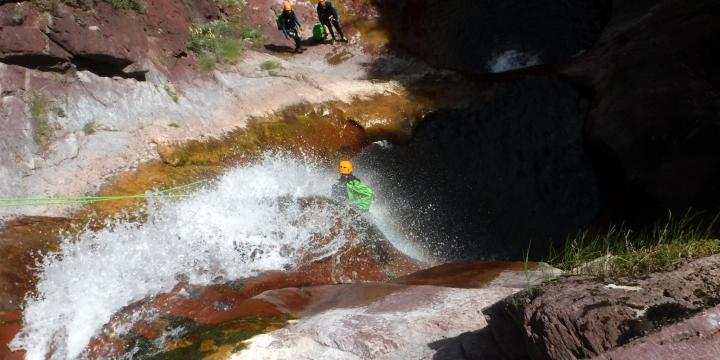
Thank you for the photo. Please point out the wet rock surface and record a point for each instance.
(392, 321)
(583, 317)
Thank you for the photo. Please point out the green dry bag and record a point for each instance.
(359, 194)
(318, 32)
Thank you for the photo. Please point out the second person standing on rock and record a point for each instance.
(289, 25)
(328, 16)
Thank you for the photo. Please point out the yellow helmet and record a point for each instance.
(287, 6)
(345, 167)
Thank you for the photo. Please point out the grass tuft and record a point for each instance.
(40, 105)
(136, 5)
(170, 90)
(270, 65)
(621, 251)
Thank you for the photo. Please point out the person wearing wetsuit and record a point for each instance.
(350, 190)
(290, 26)
(328, 16)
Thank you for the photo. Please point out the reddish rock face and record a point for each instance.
(697, 338)
(22, 242)
(583, 317)
(10, 325)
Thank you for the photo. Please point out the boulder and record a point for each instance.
(697, 338)
(583, 317)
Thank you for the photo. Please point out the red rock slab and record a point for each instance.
(22, 242)
(10, 326)
(463, 275)
(697, 338)
(346, 295)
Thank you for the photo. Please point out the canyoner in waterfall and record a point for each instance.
(350, 189)
(288, 23)
(328, 17)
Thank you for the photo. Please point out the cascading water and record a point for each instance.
(239, 227)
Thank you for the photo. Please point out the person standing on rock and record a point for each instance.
(290, 26)
(328, 16)
(350, 189)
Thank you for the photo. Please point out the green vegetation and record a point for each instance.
(220, 42)
(137, 5)
(198, 341)
(255, 36)
(91, 128)
(173, 125)
(270, 65)
(170, 90)
(621, 251)
(230, 4)
(39, 104)
(19, 14)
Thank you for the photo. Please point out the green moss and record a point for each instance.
(189, 345)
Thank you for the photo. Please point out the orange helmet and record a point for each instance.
(321, 2)
(345, 167)
(287, 6)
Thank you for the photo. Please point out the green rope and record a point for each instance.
(166, 193)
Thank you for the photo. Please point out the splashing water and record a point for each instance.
(512, 60)
(236, 229)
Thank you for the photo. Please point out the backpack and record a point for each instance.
(278, 21)
(318, 32)
(359, 194)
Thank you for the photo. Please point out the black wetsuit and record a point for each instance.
(339, 189)
(289, 26)
(328, 16)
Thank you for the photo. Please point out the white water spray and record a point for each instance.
(512, 60)
(235, 229)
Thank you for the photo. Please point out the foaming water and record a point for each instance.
(246, 223)
(512, 60)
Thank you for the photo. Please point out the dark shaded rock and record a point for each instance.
(697, 338)
(475, 36)
(653, 131)
(481, 183)
(582, 317)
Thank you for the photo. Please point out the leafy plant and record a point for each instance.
(173, 125)
(254, 35)
(623, 251)
(91, 128)
(219, 42)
